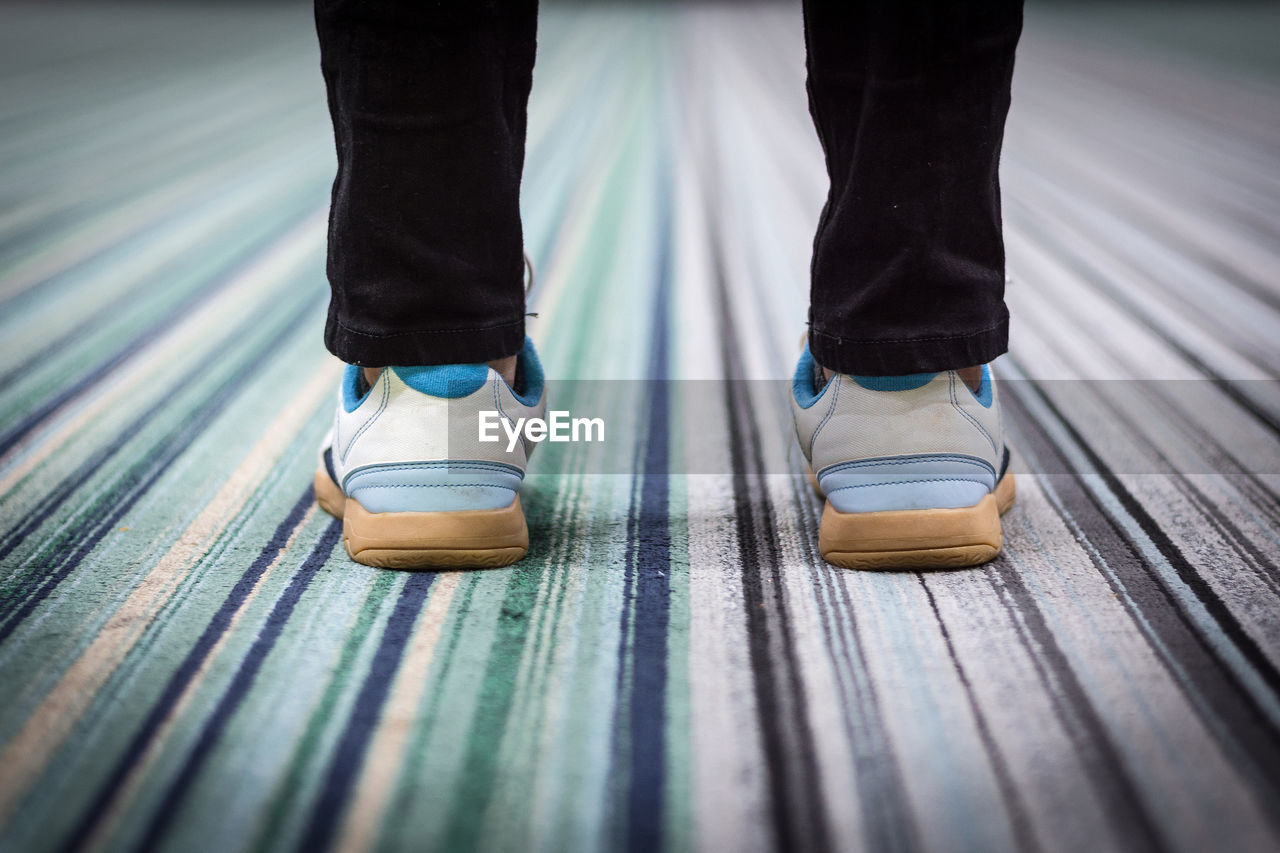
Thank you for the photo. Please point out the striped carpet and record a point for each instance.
(188, 663)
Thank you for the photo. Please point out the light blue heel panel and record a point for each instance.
(907, 482)
(433, 486)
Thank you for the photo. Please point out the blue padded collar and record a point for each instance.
(807, 393)
(452, 381)
(448, 381)
(906, 382)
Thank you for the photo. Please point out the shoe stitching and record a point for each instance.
(426, 465)
(836, 382)
(386, 395)
(902, 482)
(432, 486)
(955, 404)
(351, 479)
(496, 467)
(335, 436)
(497, 402)
(498, 382)
(931, 457)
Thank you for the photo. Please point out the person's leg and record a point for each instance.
(907, 298)
(425, 264)
(909, 100)
(425, 246)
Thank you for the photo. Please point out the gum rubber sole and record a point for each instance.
(477, 538)
(917, 538)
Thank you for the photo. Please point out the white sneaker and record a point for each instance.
(405, 470)
(914, 468)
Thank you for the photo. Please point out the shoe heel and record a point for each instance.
(475, 538)
(917, 538)
(481, 538)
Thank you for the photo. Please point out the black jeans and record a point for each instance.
(428, 103)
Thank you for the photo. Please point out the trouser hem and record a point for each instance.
(435, 346)
(898, 357)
